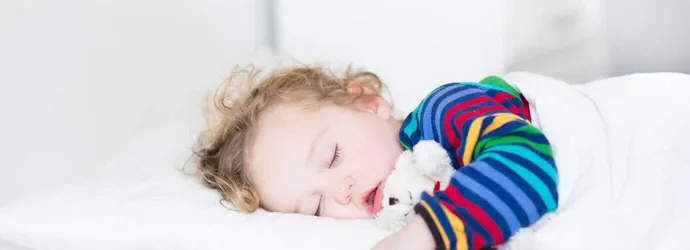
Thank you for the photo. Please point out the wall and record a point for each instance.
(646, 35)
(79, 77)
(563, 39)
(584, 40)
(413, 46)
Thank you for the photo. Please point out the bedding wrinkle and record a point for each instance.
(607, 136)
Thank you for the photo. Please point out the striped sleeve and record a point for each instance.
(505, 177)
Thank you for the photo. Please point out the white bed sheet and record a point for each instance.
(144, 201)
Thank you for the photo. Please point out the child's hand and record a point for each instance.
(415, 235)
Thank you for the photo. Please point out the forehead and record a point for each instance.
(277, 159)
(282, 129)
(285, 125)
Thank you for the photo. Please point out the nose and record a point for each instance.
(343, 192)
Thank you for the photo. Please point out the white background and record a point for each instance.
(80, 77)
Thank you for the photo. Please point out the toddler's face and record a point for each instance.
(328, 161)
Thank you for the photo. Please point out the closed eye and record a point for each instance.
(334, 160)
(318, 207)
(336, 156)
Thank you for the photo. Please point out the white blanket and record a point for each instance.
(622, 146)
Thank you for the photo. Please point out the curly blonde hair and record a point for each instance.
(223, 149)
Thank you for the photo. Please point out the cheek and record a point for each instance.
(375, 154)
(373, 146)
(338, 211)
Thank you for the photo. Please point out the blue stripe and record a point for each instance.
(436, 109)
(469, 235)
(535, 182)
(534, 137)
(444, 107)
(480, 202)
(490, 197)
(511, 188)
(465, 127)
(426, 113)
(420, 108)
(465, 216)
(506, 129)
(521, 183)
(550, 183)
(509, 103)
(532, 157)
(506, 197)
(460, 134)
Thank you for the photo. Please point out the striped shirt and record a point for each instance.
(505, 176)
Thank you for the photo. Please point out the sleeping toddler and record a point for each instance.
(305, 140)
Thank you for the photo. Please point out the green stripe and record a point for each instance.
(528, 130)
(497, 81)
(526, 175)
(485, 86)
(493, 142)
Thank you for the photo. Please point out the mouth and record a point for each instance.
(372, 199)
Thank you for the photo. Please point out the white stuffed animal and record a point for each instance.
(415, 171)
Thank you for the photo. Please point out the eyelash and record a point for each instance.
(336, 156)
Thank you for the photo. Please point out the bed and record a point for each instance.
(620, 189)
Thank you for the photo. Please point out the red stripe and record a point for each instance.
(476, 212)
(459, 120)
(500, 97)
(448, 126)
(521, 111)
(472, 115)
(518, 111)
(477, 239)
(525, 105)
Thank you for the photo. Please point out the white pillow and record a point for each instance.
(144, 201)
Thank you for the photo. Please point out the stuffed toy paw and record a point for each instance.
(425, 168)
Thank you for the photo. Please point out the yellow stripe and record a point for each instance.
(500, 119)
(438, 225)
(471, 140)
(459, 229)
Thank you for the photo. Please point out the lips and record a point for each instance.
(372, 199)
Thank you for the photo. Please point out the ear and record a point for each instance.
(371, 102)
(360, 89)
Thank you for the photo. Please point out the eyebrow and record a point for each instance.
(310, 154)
